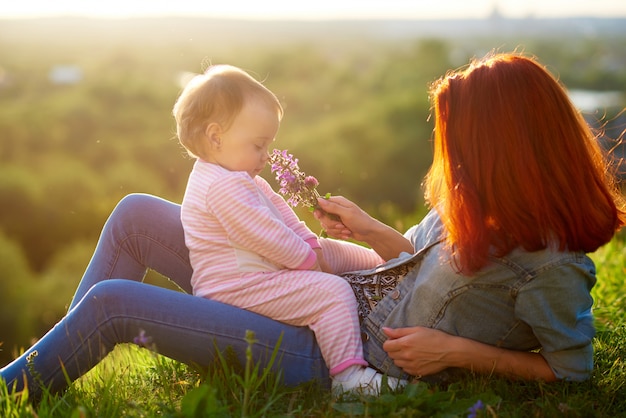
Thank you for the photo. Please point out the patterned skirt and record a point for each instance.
(370, 286)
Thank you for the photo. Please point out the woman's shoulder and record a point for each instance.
(560, 271)
(548, 259)
(429, 231)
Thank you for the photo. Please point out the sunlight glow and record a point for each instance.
(320, 9)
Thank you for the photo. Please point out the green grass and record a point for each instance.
(134, 382)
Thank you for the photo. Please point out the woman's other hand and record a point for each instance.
(421, 351)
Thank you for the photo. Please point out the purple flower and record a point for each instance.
(311, 182)
(295, 186)
(142, 339)
(475, 409)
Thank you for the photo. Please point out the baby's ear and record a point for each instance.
(213, 134)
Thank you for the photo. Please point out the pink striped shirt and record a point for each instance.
(235, 224)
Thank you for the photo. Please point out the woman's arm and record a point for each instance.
(421, 351)
(357, 224)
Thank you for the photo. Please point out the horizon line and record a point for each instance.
(303, 19)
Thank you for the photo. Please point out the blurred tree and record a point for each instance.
(60, 278)
(16, 286)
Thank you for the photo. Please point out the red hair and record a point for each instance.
(516, 165)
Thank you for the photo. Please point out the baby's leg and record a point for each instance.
(323, 302)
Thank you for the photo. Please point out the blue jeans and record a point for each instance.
(112, 306)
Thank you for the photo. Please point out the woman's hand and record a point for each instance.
(421, 351)
(355, 223)
(349, 222)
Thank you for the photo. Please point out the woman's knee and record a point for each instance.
(125, 216)
(107, 293)
(143, 213)
(131, 207)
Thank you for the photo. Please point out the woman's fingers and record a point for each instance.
(416, 350)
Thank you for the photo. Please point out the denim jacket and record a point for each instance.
(524, 301)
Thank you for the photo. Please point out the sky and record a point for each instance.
(316, 9)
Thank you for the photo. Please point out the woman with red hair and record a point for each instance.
(520, 190)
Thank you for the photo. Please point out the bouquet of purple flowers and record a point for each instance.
(295, 186)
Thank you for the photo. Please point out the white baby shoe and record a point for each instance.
(367, 382)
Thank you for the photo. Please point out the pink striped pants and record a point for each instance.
(323, 302)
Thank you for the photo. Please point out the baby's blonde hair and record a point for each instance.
(216, 96)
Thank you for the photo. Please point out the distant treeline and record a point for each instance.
(85, 118)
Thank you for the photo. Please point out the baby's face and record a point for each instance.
(245, 145)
